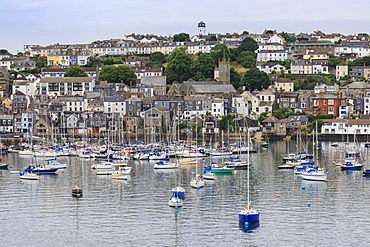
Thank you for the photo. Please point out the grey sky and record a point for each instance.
(46, 22)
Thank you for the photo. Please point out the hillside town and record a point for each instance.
(276, 84)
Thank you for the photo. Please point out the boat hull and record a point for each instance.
(249, 216)
(77, 192)
(315, 177)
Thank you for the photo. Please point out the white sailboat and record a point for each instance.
(197, 181)
(316, 173)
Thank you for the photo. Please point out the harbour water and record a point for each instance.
(136, 212)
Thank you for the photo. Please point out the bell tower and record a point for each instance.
(224, 71)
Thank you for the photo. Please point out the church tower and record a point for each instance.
(201, 28)
(224, 71)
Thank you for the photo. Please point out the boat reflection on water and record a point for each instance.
(250, 227)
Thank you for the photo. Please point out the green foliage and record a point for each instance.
(227, 122)
(318, 119)
(363, 34)
(245, 33)
(181, 37)
(220, 51)
(248, 44)
(212, 38)
(334, 61)
(286, 63)
(288, 38)
(321, 116)
(75, 72)
(180, 66)
(118, 74)
(41, 62)
(360, 61)
(204, 67)
(4, 52)
(283, 113)
(263, 116)
(247, 59)
(93, 62)
(235, 78)
(311, 82)
(182, 126)
(19, 54)
(255, 79)
(153, 65)
(158, 57)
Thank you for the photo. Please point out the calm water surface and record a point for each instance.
(136, 212)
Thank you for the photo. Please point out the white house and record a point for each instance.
(271, 55)
(345, 126)
(114, 105)
(271, 67)
(73, 104)
(240, 104)
(218, 108)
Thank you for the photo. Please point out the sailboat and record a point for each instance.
(197, 181)
(353, 159)
(76, 191)
(316, 173)
(177, 196)
(248, 214)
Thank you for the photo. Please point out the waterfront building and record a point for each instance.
(345, 127)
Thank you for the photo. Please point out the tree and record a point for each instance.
(75, 72)
(113, 74)
(248, 44)
(93, 62)
(40, 61)
(333, 62)
(282, 113)
(254, 79)
(180, 66)
(19, 54)
(204, 67)
(235, 78)
(286, 63)
(181, 37)
(245, 33)
(4, 52)
(212, 38)
(220, 51)
(287, 37)
(158, 57)
(247, 59)
(227, 122)
(263, 116)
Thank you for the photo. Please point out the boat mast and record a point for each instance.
(248, 168)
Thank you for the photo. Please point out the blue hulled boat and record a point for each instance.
(41, 170)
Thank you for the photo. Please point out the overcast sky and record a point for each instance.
(45, 22)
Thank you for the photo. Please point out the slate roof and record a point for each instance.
(357, 85)
(114, 99)
(298, 118)
(154, 80)
(222, 88)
